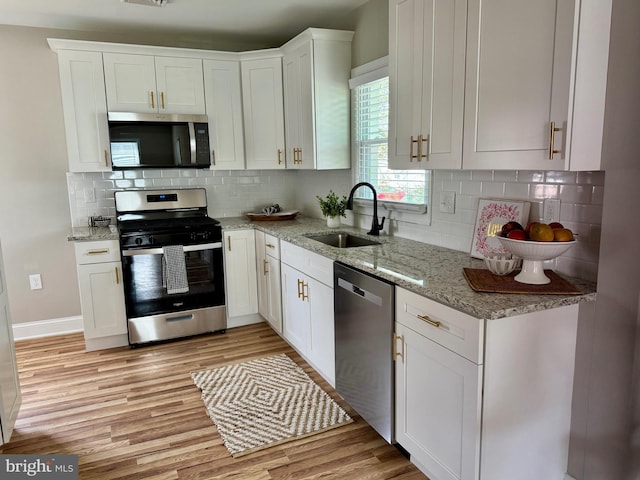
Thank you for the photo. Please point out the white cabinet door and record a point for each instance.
(426, 83)
(317, 66)
(85, 110)
(102, 299)
(438, 405)
(130, 82)
(517, 84)
(296, 309)
(261, 271)
(298, 97)
(321, 352)
(224, 110)
(10, 398)
(263, 112)
(180, 85)
(240, 272)
(274, 294)
(148, 84)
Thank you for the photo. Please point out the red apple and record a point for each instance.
(510, 226)
(517, 235)
(555, 225)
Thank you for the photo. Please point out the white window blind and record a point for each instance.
(371, 126)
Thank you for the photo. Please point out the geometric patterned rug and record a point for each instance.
(266, 402)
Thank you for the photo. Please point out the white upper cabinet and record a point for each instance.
(263, 110)
(497, 84)
(223, 98)
(316, 70)
(518, 84)
(148, 84)
(85, 111)
(426, 83)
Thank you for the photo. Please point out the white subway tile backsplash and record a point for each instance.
(575, 193)
(492, 189)
(530, 176)
(561, 177)
(234, 193)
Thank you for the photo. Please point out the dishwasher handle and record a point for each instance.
(362, 293)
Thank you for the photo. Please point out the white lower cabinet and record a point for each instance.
(101, 294)
(10, 397)
(484, 399)
(307, 304)
(241, 285)
(269, 289)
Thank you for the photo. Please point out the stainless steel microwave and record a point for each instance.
(143, 140)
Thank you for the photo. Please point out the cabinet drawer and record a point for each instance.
(97, 252)
(454, 330)
(309, 263)
(272, 246)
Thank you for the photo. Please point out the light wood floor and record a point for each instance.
(135, 413)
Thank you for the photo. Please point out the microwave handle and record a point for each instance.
(192, 142)
(158, 251)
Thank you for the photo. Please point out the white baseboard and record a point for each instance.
(47, 328)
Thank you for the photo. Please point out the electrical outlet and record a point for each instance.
(447, 202)
(89, 195)
(551, 210)
(35, 281)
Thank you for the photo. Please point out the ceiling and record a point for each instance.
(271, 21)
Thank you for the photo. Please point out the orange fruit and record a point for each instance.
(562, 235)
(541, 232)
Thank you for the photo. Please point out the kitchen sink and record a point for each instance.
(342, 240)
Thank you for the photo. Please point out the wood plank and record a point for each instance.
(135, 413)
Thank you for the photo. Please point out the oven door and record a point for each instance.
(145, 288)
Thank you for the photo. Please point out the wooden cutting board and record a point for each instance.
(482, 280)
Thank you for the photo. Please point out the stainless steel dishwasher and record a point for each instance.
(364, 317)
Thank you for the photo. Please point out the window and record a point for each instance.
(370, 109)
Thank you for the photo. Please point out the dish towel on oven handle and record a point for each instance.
(174, 269)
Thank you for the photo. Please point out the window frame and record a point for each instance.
(412, 213)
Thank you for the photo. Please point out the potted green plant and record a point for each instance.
(333, 207)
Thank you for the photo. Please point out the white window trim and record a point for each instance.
(418, 214)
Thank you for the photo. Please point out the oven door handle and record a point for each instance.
(158, 251)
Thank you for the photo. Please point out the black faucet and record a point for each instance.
(375, 227)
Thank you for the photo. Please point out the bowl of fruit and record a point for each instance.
(535, 244)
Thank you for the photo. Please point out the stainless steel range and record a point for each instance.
(172, 264)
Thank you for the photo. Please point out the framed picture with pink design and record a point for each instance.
(492, 215)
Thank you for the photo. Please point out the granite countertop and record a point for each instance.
(428, 270)
(431, 271)
(92, 234)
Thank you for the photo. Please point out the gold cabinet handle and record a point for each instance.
(299, 284)
(117, 276)
(153, 102)
(270, 245)
(265, 263)
(106, 162)
(279, 156)
(297, 156)
(397, 354)
(97, 252)
(229, 243)
(421, 140)
(162, 99)
(213, 157)
(411, 155)
(552, 140)
(305, 295)
(428, 320)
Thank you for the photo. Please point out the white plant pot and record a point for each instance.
(333, 222)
